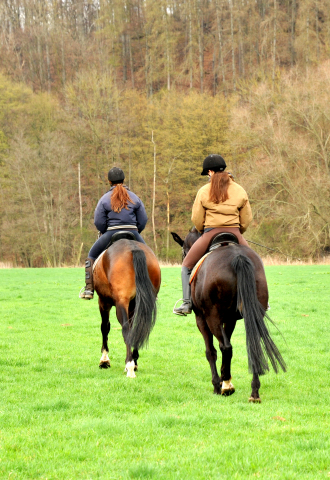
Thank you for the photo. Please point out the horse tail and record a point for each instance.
(145, 302)
(258, 341)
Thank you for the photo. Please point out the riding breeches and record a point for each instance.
(103, 242)
(199, 248)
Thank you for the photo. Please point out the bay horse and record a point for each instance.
(127, 277)
(229, 285)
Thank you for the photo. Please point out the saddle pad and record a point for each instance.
(196, 267)
(98, 259)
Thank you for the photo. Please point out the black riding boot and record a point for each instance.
(88, 292)
(186, 307)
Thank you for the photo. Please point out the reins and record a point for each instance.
(274, 250)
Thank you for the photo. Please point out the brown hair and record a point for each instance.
(219, 187)
(119, 198)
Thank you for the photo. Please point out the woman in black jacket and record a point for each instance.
(119, 209)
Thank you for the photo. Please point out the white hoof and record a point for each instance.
(105, 360)
(130, 369)
(227, 387)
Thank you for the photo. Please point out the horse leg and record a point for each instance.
(105, 329)
(227, 353)
(135, 354)
(122, 315)
(255, 384)
(211, 353)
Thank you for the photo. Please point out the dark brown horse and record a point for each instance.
(127, 276)
(230, 285)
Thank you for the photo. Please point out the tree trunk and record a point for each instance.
(241, 47)
(232, 43)
(190, 47)
(131, 60)
(39, 49)
(219, 29)
(274, 43)
(154, 197)
(317, 33)
(201, 45)
(307, 43)
(49, 83)
(168, 224)
(167, 49)
(80, 202)
(293, 32)
(123, 40)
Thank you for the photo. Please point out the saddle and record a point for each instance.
(120, 235)
(115, 237)
(221, 240)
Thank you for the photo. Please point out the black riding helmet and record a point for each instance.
(213, 162)
(116, 175)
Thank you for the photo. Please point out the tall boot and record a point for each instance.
(186, 307)
(88, 292)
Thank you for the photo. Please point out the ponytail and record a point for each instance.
(219, 187)
(119, 198)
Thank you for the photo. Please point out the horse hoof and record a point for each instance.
(227, 392)
(129, 368)
(254, 400)
(227, 388)
(217, 391)
(104, 364)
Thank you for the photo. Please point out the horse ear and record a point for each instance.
(177, 239)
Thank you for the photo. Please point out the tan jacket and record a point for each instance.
(234, 212)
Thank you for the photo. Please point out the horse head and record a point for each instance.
(189, 240)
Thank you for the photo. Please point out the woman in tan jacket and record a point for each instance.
(220, 206)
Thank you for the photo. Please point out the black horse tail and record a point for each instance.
(258, 341)
(145, 311)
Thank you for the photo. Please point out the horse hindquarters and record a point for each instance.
(258, 341)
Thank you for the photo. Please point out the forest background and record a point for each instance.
(153, 86)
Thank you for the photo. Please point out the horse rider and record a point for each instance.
(220, 206)
(119, 209)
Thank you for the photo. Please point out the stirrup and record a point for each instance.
(86, 294)
(182, 314)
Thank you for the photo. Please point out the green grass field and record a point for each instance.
(61, 417)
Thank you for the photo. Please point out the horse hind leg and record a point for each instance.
(135, 353)
(227, 353)
(122, 315)
(135, 358)
(211, 353)
(105, 329)
(255, 384)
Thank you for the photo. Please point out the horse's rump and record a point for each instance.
(217, 278)
(114, 276)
